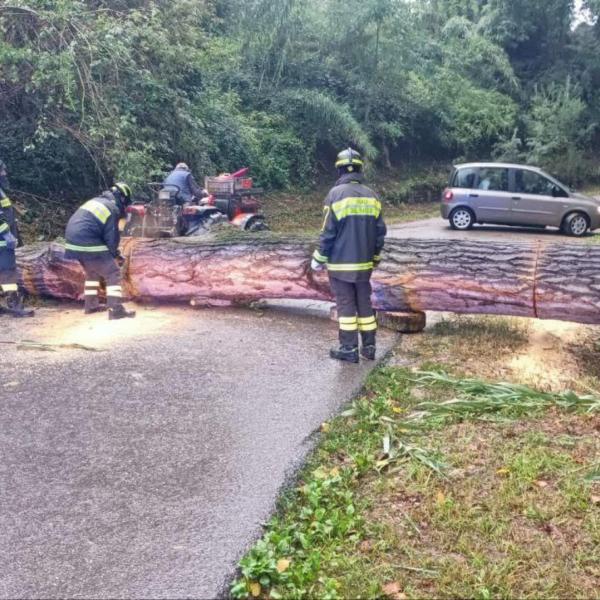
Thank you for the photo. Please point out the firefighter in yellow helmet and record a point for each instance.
(92, 238)
(350, 247)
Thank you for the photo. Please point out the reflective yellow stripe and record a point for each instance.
(319, 257)
(377, 258)
(76, 248)
(347, 319)
(345, 161)
(363, 207)
(351, 267)
(90, 293)
(92, 284)
(114, 290)
(4, 227)
(5, 203)
(366, 320)
(353, 327)
(368, 327)
(10, 287)
(98, 210)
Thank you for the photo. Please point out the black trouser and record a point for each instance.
(8, 271)
(98, 268)
(355, 312)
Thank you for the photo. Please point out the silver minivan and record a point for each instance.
(512, 194)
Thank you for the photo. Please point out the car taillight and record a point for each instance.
(448, 195)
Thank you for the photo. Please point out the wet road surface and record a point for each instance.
(145, 470)
(438, 229)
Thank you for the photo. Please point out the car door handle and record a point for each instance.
(516, 198)
(473, 195)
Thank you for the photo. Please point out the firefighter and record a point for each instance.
(8, 242)
(92, 238)
(350, 247)
(182, 178)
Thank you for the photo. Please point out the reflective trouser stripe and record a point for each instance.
(114, 291)
(10, 287)
(348, 324)
(5, 203)
(4, 227)
(91, 288)
(367, 323)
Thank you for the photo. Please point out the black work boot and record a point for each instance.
(118, 311)
(368, 352)
(345, 353)
(368, 344)
(14, 306)
(92, 305)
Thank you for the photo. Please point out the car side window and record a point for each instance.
(493, 179)
(528, 182)
(465, 178)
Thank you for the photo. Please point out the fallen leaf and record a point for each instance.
(440, 498)
(255, 589)
(503, 471)
(325, 427)
(283, 565)
(398, 410)
(595, 499)
(391, 589)
(542, 484)
(334, 472)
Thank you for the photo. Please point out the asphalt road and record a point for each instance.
(145, 470)
(438, 229)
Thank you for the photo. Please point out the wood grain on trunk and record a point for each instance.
(557, 281)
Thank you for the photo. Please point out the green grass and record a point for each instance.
(302, 211)
(412, 493)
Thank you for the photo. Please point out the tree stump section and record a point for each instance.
(550, 281)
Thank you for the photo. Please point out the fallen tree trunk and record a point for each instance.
(558, 281)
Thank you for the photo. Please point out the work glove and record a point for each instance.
(315, 265)
(120, 259)
(11, 240)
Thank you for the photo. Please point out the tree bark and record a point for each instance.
(558, 281)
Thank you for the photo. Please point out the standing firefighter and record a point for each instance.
(350, 245)
(93, 239)
(8, 243)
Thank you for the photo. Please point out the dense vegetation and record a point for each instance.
(97, 89)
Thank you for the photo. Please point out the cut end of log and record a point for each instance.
(403, 322)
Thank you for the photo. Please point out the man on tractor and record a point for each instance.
(184, 184)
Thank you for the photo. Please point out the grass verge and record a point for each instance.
(436, 486)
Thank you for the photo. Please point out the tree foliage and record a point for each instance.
(92, 90)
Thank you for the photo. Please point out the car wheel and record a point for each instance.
(462, 219)
(576, 224)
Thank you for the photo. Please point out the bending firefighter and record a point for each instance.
(350, 246)
(92, 238)
(9, 286)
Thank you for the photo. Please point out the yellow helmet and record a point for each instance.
(349, 158)
(124, 191)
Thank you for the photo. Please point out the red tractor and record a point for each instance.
(232, 198)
